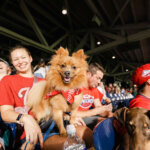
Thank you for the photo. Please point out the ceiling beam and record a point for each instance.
(78, 39)
(18, 26)
(136, 64)
(33, 23)
(119, 74)
(21, 20)
(18, 37)
(95, 10)
(92, 41)
(117, 10)
(100, 32)
(129, 65)
(58, 41)
(45, 14)
(107, 34)
(117, 66)
(120, 12)
(82, 42)
(132, 2)
(134, 26)
(131, 38)
(118, 54)
(104, 9)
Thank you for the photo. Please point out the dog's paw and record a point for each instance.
(63, 134)
(72, 120)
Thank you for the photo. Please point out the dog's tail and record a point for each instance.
(36, 94)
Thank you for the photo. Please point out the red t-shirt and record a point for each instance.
(140, 101)
(14, 90)
(88, 97)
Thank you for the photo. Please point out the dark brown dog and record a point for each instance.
(137, 123)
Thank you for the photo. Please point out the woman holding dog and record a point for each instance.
(14, 90)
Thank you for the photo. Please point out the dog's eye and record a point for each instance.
(63, 66)
(74, 67)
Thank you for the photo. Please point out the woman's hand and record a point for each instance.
(32, 130)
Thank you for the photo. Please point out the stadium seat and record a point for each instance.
(104, 135)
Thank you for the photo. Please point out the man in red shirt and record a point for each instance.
(91, 109)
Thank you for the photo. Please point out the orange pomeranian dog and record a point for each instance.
(66, 73)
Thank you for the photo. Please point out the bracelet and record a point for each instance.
(18, 118)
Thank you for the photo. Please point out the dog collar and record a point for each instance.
(53, 93)
(68, 94)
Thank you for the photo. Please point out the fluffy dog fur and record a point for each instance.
(137, 123)
(66, 72)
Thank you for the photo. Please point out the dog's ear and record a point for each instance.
(120, 114)
(62, 52)
(79, 54)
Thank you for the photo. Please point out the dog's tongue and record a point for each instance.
(67, 79)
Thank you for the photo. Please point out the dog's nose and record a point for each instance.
(67, 73)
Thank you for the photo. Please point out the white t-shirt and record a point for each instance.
(41, 72)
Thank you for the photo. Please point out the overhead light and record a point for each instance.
(113, 57)
(98, 42)
(127, 70)
(64, 11)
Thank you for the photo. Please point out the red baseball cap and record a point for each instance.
(141, 75)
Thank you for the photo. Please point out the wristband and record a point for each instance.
(18, 118)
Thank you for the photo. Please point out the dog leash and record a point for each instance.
(46, 135)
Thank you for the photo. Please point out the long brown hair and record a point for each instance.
(18, 47)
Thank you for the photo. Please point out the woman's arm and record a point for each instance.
(31, 127)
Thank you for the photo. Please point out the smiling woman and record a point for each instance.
(13, 97)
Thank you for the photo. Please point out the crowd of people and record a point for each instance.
(14, 90)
